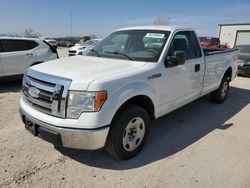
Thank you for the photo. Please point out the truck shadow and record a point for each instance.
(173, 132)
(10, 86)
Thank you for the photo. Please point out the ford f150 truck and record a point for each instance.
(133, 76)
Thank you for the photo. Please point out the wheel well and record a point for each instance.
(142, 101)
(228, 73)
(36, 63)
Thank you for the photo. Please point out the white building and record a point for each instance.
(234, 34)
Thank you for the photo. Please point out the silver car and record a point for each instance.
(18, 54)
(244, 60)
(81, 49)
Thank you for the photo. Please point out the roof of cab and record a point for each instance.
(156, 27)
(20, 38)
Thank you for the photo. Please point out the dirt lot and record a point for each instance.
(200, 145)
(62, 52)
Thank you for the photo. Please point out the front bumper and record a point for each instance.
(89, 139)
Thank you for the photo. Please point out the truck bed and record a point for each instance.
(214, 51)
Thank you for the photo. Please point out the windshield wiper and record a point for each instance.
(122, 54)
(92, 50)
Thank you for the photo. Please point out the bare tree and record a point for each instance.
(93, 36)
(28, 32)
(162, 20)
(14, 35)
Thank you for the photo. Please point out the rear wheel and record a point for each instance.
(220, 95)
(128, 132)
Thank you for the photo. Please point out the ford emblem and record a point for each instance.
(34, 92)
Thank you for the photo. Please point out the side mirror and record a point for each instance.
(176, 58)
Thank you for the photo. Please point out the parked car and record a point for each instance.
(18, 54)
(211, 42)
(244, 60)
(65, 44)
(108, 97)
(52, 42)
(80, 49)
(86, 38)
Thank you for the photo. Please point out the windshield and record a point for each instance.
(138, 45)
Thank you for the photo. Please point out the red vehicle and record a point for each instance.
(211, 42)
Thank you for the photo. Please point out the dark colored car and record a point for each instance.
(52, 42)
(86, 38)
(244, 60)
(65, 44)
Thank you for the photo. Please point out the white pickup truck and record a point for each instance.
(108, 97)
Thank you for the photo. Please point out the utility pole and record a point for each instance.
(71, 24)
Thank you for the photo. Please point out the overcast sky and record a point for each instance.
(53, 17)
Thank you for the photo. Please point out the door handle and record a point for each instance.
(197, 68)
(29, 55)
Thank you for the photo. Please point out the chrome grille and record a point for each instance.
(46, 93)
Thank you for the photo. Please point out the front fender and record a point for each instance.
(128, 91)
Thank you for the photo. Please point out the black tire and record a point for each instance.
(118, 133)
(220, 95)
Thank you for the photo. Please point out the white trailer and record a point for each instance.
(234, 34)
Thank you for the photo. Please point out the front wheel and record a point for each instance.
(220, 95)
(128, 132)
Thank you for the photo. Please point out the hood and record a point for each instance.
(82, 70)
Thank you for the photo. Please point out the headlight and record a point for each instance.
(79, 102)
(24, 78)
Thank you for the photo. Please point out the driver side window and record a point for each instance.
(182, 42)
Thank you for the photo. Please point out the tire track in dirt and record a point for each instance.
(25, 174)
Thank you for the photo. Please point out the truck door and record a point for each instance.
(16, 57)
(182, 83)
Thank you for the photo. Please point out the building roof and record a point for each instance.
(232, 24)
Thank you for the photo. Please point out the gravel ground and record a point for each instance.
(200, 145)
(62, 52)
